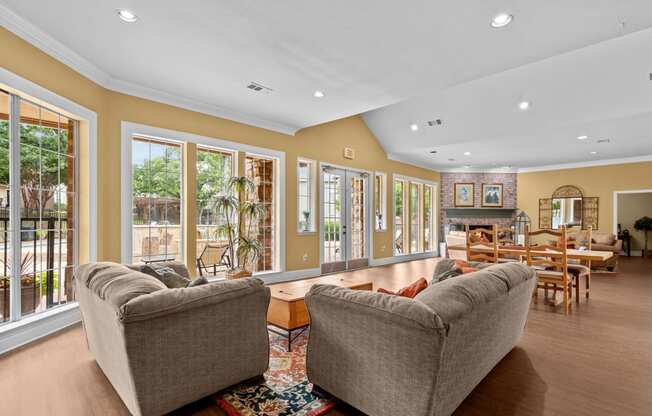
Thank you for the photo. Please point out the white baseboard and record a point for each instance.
(17, 334)
(400, 259)
(289, 276)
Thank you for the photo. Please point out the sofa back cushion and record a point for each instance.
(115, 283)
(453, 298)
(604, 238)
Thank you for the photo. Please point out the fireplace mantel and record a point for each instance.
(480, 212)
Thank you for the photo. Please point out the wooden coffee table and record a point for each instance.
(287, 309)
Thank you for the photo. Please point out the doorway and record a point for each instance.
(344, 219)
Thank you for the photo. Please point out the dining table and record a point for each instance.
(583, 255)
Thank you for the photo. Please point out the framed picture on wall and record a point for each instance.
(492, 195)
(464, 195)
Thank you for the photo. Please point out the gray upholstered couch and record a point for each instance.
(162, 348)
(387, 355)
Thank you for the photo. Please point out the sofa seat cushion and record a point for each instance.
(453, 298)
(602, 247)
(117, 284)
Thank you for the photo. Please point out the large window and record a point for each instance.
(427, 218)
(214, 169)
(306, 195)
(415, 218)
(400, 217)
(38, 208)
(261, 170)
(380, 201)
(156, 200)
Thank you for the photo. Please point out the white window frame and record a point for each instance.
(382, 227)
(312, 171)
(434, 204)
(129, 129)
(19, 332)
(182, 205)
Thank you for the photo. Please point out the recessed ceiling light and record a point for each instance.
(594, 152)
(507, 167)
(127, 16)
(524, 105)
(582, 137)
(451, 160)
(467, 166)
(467, 153)
(414, 127)
(318, 94)
(501, 20)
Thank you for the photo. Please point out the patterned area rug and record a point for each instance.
(285, 390)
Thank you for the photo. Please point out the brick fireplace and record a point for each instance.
(457, 218)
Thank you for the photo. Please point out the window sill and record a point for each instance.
(18, 333)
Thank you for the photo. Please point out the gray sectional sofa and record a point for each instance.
(163, 348)
(389, 356)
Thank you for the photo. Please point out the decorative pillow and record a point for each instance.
(465, 267)
(605, 239)
(166, 275)
(201, 280)
(409, 291)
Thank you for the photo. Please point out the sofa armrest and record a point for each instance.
(618, 246)
(363, 343)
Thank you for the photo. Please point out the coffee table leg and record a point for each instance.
(288, 333)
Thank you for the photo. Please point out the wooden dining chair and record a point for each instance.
(550, 261)
(579, 269)
(505, 238)
(477, 243)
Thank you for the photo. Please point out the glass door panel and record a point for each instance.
(345, 226)
(333, 223)
(357, 222)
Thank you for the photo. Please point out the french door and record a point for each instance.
(344, 220)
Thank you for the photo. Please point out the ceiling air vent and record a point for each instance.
(604, 141)
(436, 122)
(254, 86)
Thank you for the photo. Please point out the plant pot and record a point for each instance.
(27, 300)
(237, 274)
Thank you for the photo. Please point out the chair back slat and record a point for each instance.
(481, 250)
(551, 256)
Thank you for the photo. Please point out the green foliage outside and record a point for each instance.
(42, 165)
(331, 230)
(41, 280)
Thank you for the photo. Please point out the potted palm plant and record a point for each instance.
(644, 224)
(241, 226)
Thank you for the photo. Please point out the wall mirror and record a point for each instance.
(569, 207)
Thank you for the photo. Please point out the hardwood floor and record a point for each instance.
(595, 361)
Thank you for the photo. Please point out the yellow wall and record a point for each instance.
(323, 143)
(631, 207)
(600, 181)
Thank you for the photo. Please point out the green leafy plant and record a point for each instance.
(644, 224)
(241, 227)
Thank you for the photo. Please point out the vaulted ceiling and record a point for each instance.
(583, 65)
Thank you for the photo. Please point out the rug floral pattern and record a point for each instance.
(285, 390)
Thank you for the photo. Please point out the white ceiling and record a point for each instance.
(583, 64)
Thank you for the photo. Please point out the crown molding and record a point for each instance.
(152, 94)
(35, 36)
(407, 161)
(46, 43)
(592, 163)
